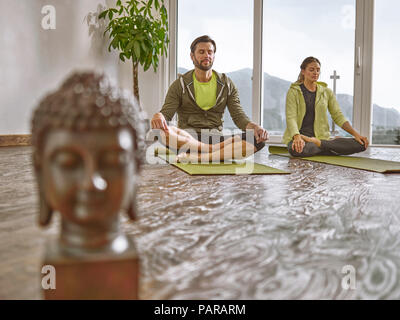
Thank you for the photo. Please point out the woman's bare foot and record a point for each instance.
(311, 139)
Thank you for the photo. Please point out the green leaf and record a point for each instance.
(114, 43)
(142, 59)
(143, 45)
(121, 56)
(155, 63)
(136, 47)
(103, 14)
(164, 15)
(129, 46)
(150, 15)
(148, 60)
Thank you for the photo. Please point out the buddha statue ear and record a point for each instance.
(132, 208)
(45, 211)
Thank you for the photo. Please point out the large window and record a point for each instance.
(294, 30)
(386, 71)
(347, 36)
(230, 24)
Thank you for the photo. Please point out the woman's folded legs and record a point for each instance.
(310, 149)
(338, 146)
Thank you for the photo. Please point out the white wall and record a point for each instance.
(34, 61)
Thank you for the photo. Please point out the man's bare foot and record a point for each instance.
(190, 157)
(219, 146)
(198, 157)
(183, 157)
(311, 139)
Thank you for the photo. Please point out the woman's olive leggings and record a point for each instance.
(339, 146)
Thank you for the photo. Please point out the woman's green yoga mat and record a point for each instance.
(201, 169)
(376, 165)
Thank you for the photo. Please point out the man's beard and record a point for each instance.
(201, 67)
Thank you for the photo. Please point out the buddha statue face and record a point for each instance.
(88, 177)
(88, 139)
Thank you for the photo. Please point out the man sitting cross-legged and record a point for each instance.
(200, 98)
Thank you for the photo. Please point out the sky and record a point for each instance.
(292, 31)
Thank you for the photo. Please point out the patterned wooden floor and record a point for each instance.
(207, 237)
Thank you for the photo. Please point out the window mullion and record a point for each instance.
(358, 48)
(366, 107)
(362, 110)
(257, 87)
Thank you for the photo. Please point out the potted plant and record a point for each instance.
(139, 30)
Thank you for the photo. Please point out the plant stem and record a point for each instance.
(136, 81)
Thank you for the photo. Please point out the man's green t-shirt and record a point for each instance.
(205, 92)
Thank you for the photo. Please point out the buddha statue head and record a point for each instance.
(88, 139)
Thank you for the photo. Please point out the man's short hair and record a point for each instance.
(204, 38)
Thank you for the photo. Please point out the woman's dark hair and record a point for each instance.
(204, 38)
(304, 65)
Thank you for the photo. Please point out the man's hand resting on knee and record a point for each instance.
(259, 132)
(159, 122)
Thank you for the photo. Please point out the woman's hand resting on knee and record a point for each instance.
(361, 140)
(298, 143)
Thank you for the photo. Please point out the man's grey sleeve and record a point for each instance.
(172, 101)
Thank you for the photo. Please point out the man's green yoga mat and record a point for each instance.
(376, 165)
(201, 169)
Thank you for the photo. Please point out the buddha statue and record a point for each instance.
(88, 146)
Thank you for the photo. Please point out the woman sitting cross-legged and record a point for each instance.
(192, 150)
(307, 127)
